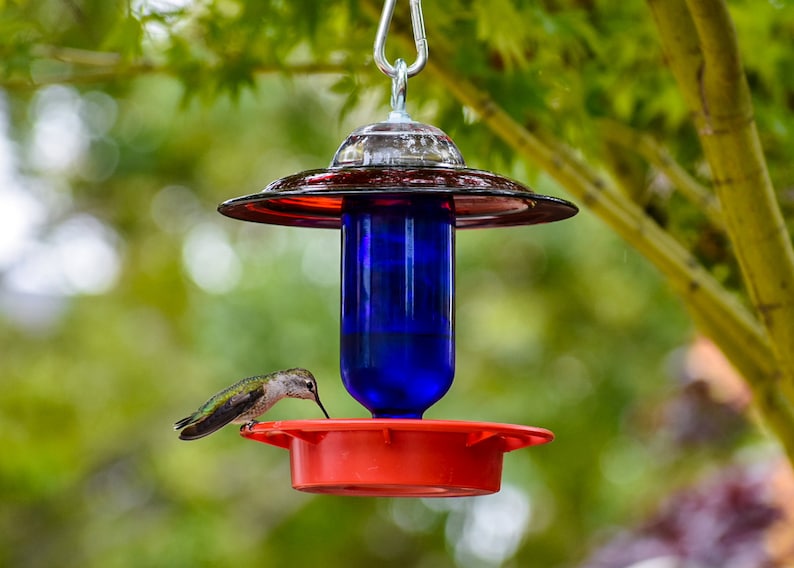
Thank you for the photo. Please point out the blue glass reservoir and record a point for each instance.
(397, 332)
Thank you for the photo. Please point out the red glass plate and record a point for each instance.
(315, 198)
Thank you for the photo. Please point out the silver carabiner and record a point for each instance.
(418, 25)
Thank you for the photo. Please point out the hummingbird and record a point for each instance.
(242, 402)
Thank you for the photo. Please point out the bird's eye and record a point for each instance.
(310, 385)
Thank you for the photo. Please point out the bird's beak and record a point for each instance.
(320, 404)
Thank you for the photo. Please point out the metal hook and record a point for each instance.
(418, 25)
(399, 90)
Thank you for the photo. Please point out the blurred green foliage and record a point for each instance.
(126, 300)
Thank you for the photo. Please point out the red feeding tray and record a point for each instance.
(387, 457)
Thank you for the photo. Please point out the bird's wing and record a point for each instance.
(228, 411)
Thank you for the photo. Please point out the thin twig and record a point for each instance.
(111, 71)
(658, 156)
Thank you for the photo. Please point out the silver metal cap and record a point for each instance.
(398, 143)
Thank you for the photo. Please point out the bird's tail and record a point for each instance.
(184, 422)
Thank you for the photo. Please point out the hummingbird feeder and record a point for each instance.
(398, 190)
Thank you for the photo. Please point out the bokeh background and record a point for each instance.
(126, 300)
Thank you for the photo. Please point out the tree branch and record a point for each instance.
(707, 67)
(721, 317)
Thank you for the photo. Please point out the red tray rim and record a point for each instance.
(407, 424)
(515, 436)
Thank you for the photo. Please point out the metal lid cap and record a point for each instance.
(394, 143)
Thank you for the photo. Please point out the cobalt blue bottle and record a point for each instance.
(397, 344)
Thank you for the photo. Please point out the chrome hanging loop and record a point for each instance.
(418, 25)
